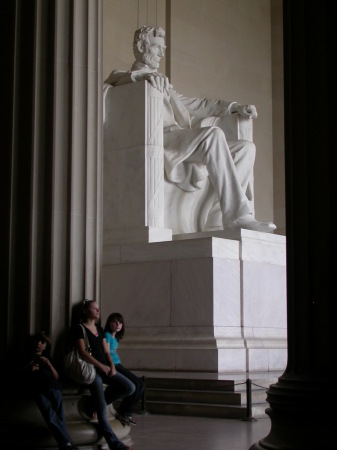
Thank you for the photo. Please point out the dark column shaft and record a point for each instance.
(302, 409)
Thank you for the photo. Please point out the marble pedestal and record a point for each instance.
(216, 303)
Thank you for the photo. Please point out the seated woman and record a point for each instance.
(114, 332)
(118, 386)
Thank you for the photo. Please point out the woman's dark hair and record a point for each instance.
(115, 316)
(84, 309)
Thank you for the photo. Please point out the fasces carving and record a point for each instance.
(155, 161)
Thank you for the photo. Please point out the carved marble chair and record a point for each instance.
(139, 203)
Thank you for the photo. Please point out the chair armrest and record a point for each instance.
(234, 126)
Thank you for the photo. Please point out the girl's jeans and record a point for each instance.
(116, 389)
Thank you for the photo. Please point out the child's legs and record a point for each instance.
(55, 423)
(56, 399)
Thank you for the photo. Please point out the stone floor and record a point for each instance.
(161, 432)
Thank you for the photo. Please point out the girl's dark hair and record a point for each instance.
(119, 335)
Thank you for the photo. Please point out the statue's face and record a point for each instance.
(154, 51)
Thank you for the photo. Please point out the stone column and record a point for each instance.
(53, 134)
(55, 195)
(302, 402)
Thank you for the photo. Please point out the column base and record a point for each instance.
(22, 425)
(302, 416)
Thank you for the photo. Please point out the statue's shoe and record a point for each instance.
(249, 223)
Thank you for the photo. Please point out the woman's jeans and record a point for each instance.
(51, 407)
(117, 388)
(129, 403)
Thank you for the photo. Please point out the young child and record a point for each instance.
(114, 332)
(43, 377)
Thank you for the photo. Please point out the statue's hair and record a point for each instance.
(141, 35)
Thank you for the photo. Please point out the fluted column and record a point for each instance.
(53, 137)
(54, 231)
(302, 402)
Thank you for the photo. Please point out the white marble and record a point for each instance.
(131, 132)
(159, 251)
(203, 280)
(140, 291)
(149, 126)
(263, 295)
(266, 359)
(181, 336)
(189, 298)
(144, 234)
(133, 186)
(232, 360)
(263, 247)
(226, 291)
(197, 359)
(255, 246)
(211, 299)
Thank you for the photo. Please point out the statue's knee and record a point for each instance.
(217, 133)
(249, 148)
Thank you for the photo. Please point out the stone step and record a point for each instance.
(205, 410)
(186, 383)
(206, 397)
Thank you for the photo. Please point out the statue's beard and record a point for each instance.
(151, 62)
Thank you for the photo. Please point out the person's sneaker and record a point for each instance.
(124, 420)
(132, 420)
(69, 446)
(122, 446)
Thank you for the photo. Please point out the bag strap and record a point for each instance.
(86, 340)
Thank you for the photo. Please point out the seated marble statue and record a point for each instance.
(194, 148)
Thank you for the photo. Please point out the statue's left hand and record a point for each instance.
(248, 111)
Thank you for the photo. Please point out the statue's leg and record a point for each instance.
(214, 216)
(208, 146)
(243, 154)
(213, 151)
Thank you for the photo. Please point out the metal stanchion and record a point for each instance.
(143, 401)
(249, 417)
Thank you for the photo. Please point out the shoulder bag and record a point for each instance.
(76, 368)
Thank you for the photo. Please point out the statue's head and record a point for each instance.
(149, 45)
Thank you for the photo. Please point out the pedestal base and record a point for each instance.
(137, 234)
(211, 304)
